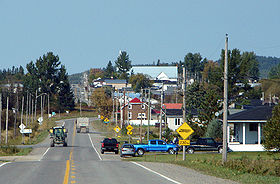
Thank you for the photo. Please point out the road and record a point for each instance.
(81, 162)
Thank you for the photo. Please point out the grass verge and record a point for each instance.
(249, 167)
(14, 151)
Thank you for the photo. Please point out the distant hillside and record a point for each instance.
(265, 64)
(76, 77)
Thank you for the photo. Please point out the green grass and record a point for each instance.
(13, 151)
(260, 167)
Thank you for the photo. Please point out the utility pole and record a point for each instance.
(149, 115)
(32, 119)
(113, 99)
(0, 116)
(225, 102)
(48, 105)
(42, 106)
(26, 112)
(35, 106)
(80, 104)
(184, 105)
(7, 120)
(161, 103)
(15, 122)
(21, 117)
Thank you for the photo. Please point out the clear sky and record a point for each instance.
(88, 33)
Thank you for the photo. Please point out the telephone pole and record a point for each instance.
(225, 102)
(149, 115)
(0, 116)
(7, 120)
(161, 103)
(184, 105)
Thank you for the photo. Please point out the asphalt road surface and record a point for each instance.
(81, 162)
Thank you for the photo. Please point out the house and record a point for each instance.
(163, 73)
(136, 112)
(116, 83)
(245, 128)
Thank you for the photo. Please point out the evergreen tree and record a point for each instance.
(271, 130)
(215, 129)
(123, 65)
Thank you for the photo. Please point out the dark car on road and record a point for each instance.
(205, 144)
(110, 145)
(127, 149)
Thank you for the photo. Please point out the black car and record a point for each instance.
(110, 145)
(205, 144)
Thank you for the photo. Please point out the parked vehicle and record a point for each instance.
(127, 149)
(205, 144)
(58, 135)
(109, 145)
(82, 125)
(155, 146)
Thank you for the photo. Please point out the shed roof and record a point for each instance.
(172, 106)
(155, 71)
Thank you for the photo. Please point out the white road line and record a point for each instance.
(94, 147)
(44, 154)
(169, 179)
(4, 164)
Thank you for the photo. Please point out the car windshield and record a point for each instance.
(127, 146)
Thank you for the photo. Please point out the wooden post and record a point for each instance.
(7, 120)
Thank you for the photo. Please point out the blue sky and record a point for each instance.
(88, 33)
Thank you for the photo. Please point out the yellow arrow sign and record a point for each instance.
(184, 142)
(117, 129)
(184, 130)
(129, 133)
(129, 128)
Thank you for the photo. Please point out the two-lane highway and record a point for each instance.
(80, 162)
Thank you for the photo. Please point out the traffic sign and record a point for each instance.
(184, 142)
(117, 129)
(22, 126)
(26, 131)
(184, 130)
(106, 120)
(129, 128)
(129, 132)
(101, 117)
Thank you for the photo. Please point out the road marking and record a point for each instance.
(66, 176)
(4, 164)
(169, 179)
(94, 148)
(73, 181)
(44, 154)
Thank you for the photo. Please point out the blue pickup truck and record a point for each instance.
(155, 146)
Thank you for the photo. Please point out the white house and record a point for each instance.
(245, 128)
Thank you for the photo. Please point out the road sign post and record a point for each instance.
(184, 131)
(129, 131)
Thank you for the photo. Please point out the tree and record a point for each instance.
(109, 71)
(194, 65)
(274, 72)
(215, 129)
(271, 131)
(102, 101)
(123, 65)
(47, 75)
(139, 81)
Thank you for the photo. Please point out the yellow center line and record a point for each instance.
(67, 170)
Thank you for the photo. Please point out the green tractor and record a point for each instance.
(58, 135)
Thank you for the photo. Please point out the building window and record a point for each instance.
(253, 127)
(129, 115)
(143, 106)
(129, 106)
(177, 121)
(141, 115)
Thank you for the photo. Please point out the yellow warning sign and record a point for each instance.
(129, 128)
(184, 130)
(129, 132)
(106, 119)
(117, 129)
(101, 117)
